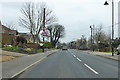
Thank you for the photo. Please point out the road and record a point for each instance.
(73, 64)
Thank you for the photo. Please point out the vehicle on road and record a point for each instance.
(118, 50)
(64, 48)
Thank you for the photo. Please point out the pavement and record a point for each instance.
(15, 54)
(103, 54)
(22, 62)
(74, 64)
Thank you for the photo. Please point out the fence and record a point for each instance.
(6, 39)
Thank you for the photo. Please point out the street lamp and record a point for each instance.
(106, 3)
(92, 39)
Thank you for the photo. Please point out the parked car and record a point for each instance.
(118, 50)
(64, 48)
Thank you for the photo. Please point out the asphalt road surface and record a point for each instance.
(73, 64)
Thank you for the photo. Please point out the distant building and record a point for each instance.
(119, 19)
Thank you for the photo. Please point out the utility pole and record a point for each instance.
(106, 3)
(112, 28)
(91, 39)
(43, 29)
(93, 36)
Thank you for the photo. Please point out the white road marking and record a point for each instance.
(79, 60)
(74, 55)
(27, 67)
(91, 69)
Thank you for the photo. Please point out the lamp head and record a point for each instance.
(106, 3)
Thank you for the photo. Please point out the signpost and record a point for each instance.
(43, 28)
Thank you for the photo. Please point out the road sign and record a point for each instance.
(44, 33)
(44, 28)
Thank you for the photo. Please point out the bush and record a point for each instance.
(28, 49)
(47, 44)
(8, 47)
(32, 45)
(39, 50)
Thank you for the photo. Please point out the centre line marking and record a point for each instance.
(74, 55)
(91, 69)
(78, 59)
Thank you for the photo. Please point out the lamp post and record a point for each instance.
(106, 3)
(92, 39)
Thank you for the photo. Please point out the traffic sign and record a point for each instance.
(44, 33)
(44, 28)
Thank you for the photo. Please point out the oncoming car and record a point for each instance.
(118, 50)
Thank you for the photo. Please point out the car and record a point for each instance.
(118, 50)
(64, 48)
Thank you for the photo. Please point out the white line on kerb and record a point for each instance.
(78, 59)
(27, 68)
(91, 69)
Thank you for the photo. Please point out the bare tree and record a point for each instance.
(32, 17)
(82, 42)
(100, 37)
(56, 32)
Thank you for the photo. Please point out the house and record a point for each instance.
(6, 34)
(5, 30)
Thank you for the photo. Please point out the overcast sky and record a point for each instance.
(75, 15)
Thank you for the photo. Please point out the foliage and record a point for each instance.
(39, 50)
(116, 43)
(19, 41)
(38, 45)
(47, 44)
(8, 47)
(28, 49)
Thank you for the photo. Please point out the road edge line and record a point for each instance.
(27, 67)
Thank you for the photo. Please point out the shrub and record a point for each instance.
(34, 45)
(39, 50)
(28, 49)
(47, 44)
(8, 47)
(19, 41)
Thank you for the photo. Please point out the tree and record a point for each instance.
(32, 17)
(82, 42)
(100, 37)
(56, 31)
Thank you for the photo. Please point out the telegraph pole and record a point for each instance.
(43, 29)
(106, 3)
(91, 39)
